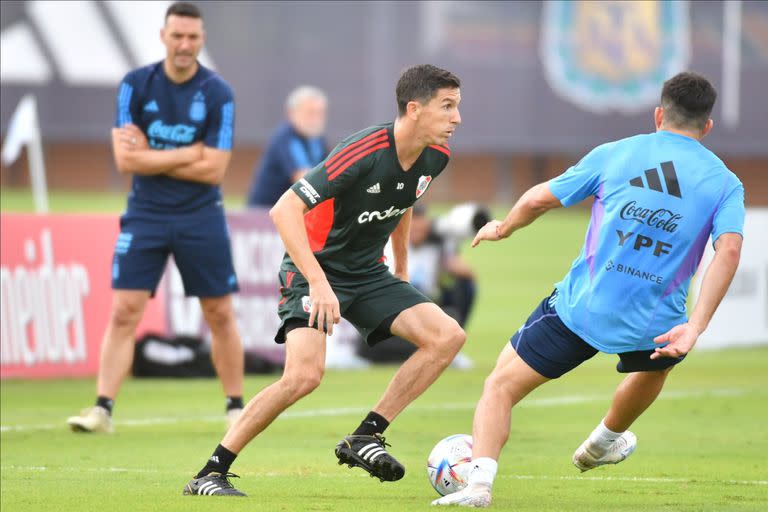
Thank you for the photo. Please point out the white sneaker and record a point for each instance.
(622, 448)
(93, 419)
(232, 416)
(345, 360)
(462, 362)
(476, 495)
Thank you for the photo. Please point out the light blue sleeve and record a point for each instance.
(220, 130)
(580, 181)
(729, 216)
(299, 155)
(126, 102)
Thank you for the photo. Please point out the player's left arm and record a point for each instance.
(533, 204)
(717, 278)
(400, 237)
(727, 232)
(209, 169)
(217, 141)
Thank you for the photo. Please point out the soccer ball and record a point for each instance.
(449, 464)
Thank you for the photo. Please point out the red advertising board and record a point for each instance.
(257, 251)
(55, 293)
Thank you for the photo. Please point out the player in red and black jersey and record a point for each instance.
(335, 223)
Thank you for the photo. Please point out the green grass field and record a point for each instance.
(702, 446)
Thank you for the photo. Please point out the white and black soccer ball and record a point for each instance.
(449, 464)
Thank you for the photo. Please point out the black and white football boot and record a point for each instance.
(369, 453)
(212, 484)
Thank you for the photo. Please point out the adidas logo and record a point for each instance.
(653, 180)
(151, 107)
(375, 189)
(214, 458)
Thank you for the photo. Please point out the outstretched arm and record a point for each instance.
(717, 279)
(534, 203)
(400, 237)
(288, 215)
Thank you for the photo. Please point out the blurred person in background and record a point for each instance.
(173, 133)
(658, 199)
(437, 269)
(296, 146)
(436, 266)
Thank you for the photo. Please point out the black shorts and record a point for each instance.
(548, 346)
(370, 303)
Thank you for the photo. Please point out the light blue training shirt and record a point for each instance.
(658, 199)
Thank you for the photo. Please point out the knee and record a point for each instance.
(493, 382)
(448, 342)
(218, 315)
(125, 314)
(299, 384)
(499, 382)
(452, 339)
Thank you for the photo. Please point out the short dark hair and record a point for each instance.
(183, 9)
(421, 83)
(687, 99)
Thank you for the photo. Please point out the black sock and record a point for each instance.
(234, 402)
(106, 403)
(374, 423)
(219, 462)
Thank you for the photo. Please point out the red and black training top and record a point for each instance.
(357, 197)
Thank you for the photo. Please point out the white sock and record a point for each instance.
(483, 472)
(602, 438)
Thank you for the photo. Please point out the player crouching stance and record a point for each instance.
(625, 293)
(335, 223)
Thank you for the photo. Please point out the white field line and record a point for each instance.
(347, 474)
(350, 411)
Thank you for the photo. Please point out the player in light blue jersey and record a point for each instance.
(658, 198)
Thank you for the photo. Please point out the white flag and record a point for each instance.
(22, 129)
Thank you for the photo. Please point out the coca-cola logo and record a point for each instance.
(178, 133)
(661, 218)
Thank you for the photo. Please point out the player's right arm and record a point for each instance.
(133, 155)
(323, 184)
(531, 205)
(573, 186)
(288, 215)
(129, 144)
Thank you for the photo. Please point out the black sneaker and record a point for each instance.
(369, 453)
(212, 484)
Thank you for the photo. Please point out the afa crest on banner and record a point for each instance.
(613, 55)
